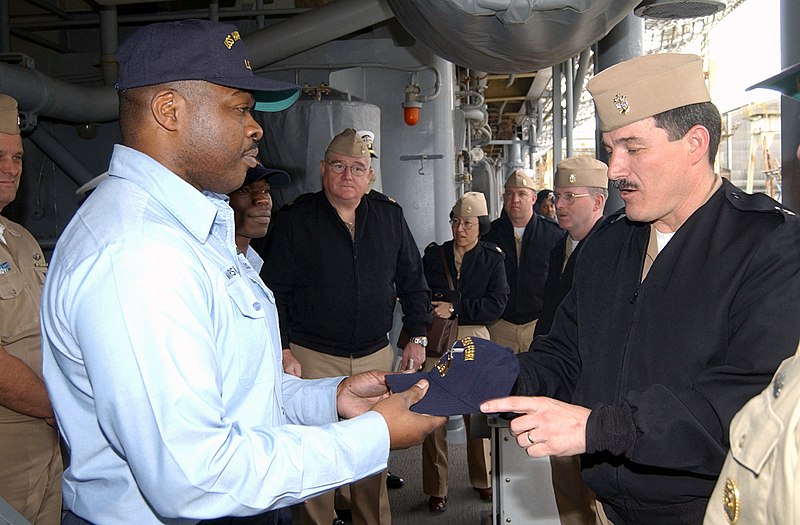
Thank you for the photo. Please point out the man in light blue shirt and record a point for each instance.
(161, 351)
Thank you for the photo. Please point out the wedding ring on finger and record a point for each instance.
(530, 439)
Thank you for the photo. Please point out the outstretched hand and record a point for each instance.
(545, 426)
(407, 428)
(359, 393)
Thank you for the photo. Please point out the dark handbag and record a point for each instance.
(442, 333)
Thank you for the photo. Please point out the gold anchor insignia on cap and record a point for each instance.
(621, 103)
(469, 209)
(730, 500)
(572, 178)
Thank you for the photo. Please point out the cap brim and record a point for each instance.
(271, 95)
(436, 402)
(274, 176)
(785, 82)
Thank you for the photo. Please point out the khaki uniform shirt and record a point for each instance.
(22, 272)
(759, 481)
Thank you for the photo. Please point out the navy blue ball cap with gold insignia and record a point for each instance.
(197, 50)
(474, 370)
(787, 82)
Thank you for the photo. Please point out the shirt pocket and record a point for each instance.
(755, 433)
(19, 314)
(248, 328)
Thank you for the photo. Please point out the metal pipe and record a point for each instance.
(580, 76)
(39, 94)
(63, 157)
(569, 69)
(312, 28)
(5, 27)
(558, 115)
(109, 39)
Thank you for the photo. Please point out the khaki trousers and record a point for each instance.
(434, 448)
(518, 337)
(369, 497)
(575, 501)
(30, 470)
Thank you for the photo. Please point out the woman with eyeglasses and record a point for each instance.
(479, 295)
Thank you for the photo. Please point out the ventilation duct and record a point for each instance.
(676, 9)
(513, 36)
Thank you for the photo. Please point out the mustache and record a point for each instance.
(622, 184)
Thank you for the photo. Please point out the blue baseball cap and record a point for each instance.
(474, 370)
(274, 176)
(197, 50)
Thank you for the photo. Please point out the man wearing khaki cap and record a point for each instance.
(30, 457)
(526, 239)
(681, 310)
(580, 196)
(337, 260)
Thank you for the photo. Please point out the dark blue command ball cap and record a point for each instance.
(274, 176)
(473, 371)
(197, 50)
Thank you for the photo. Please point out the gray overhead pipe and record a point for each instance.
(64, 159)
(39, 94)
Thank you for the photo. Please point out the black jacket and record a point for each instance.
(527, 279)
(558, 283)
(665, 364)
(481, 290)
(337, 295)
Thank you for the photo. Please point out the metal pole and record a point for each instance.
(790, 108)
(569, 70)
(558, 115)
(623, 42)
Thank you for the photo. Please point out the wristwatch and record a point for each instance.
(422, 341)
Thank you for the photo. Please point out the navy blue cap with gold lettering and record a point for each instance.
(197, 50)
(474, 370)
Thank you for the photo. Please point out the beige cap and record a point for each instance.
(9, 116)
(579, 172)
(523, 178)
(349, 144)
(645, 86)
(471, 204)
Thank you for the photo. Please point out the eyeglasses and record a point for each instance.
(467, 225)
(569, 197)
(338, 167)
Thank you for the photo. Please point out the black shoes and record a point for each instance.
(394, 482)
(437, 504)
(484, 494)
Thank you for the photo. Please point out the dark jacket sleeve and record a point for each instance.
(278, 272)
(412, 288)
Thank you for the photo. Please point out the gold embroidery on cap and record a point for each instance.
(247, 63)
(621, 103)
(572, 178)
(231, 39)
(730, 500)
(469, 209)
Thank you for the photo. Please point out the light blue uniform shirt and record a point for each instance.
(163, 361)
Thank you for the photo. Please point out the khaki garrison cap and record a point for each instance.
(523, 178)
(349, 144)
(9, 117)
(471, 204)
(645, 86)
(579, 172)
